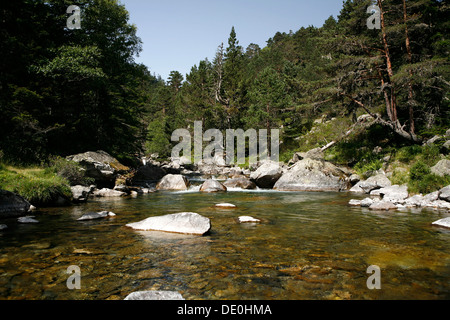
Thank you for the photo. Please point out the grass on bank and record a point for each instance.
(40, 186)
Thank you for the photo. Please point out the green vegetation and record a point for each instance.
(39, 186)
(65, 92)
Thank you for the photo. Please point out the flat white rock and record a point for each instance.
(184, 222)
(248, 219)
(27, 219)
(96, 215)
(442, 223)
(225, 205)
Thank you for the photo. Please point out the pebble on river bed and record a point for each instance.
(27, 219)
(154, 295)
(247, 219)
(225, 205)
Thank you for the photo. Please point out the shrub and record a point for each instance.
(428, 183)
(69, 170)
(418, 171)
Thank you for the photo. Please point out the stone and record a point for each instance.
(225, 205)
(447, 134)
(100, 165)
(438, 204)
(442, 168)
(211, 185)
(442, 223)
(81, 193)
(154, 295)
(383, 206)
(446, 145)
(27, 219)
(96, 215)
(248, 219)
(356, 189)
(173, 182)
(394, 193)
(316, 154)
(241, 182)
(444, 193)
(431, 197)
(313, 175)
(354, 178)
(150, 172)
(185, 222)
(367, 202)
(3, 227)
(354, 203)
(12, 205)
(267, 174)
(415, 201)
(375, 182)
(108, 193)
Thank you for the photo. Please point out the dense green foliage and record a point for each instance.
(67, 91)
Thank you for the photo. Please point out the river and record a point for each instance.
(308, 246)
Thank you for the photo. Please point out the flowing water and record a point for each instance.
(308, 246)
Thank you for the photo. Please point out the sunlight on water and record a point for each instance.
(308, 246)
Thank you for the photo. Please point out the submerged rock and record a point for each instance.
(313, 175)
(442, 223)
(212, 186)
(96, 215)
(173, 182)
(27, 219)
(185, 222)
(154, 295)
(3, 227)
(267, 174)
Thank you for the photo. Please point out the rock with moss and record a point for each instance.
(442, 168)
(100, 166)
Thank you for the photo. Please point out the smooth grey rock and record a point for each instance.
(12, 205)
(185, 222)
(355, 203)
(444, 193)
(211, 185)
(154, 295)
(367, 202)
(442, 168)
(438, 204)
(313, 175)
(375, 182)
(240, 182)
(357, 189)
(394, 193)
(27, 219)
(173, 182)
(431, 197)
(267, 174)
(415, 201)
(383, 206)
(81, 193)
(108, 193)
(96, 215)
(355, 178)
(3, 227)
(442, 223)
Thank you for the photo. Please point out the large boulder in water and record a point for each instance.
(267, 174)
(313, 175)
(211, 185)
(241, 182)
(12, 205)
(173, 182)
(185, 222)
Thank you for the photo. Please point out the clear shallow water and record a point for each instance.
(309, 246)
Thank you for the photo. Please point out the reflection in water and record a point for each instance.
(309, 246)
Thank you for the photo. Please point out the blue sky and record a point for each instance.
(177, 34)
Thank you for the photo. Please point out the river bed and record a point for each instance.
(308, 246)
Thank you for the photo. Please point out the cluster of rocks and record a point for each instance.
(385, 196)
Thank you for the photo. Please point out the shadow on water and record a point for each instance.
(308, 246)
